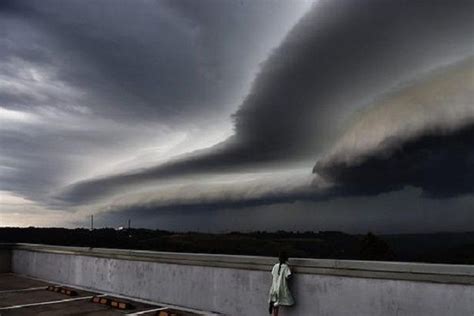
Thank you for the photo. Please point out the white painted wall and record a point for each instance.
(234, 291)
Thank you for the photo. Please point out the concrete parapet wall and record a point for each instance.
(238, 285)
(5, 259)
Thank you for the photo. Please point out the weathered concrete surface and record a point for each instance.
(240, 290)
(83, 308)
(5, 259)
(16, 290)
(11, 282)
(31, 297)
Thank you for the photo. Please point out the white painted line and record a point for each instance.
(24, 290)
(49, 302)
(147, 311)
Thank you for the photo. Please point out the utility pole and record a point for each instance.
(129, 223)
(92, 222)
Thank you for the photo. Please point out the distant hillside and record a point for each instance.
(439, 247)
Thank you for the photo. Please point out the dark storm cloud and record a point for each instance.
(339, 56)
(151, 60)
(107, 78)
(441, 164)
(393, 212)
(420, 136)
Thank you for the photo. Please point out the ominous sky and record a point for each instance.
(238, 115)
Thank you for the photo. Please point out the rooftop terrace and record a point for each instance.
(161, 282)
(20, 295)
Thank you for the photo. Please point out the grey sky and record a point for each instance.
(179, 106)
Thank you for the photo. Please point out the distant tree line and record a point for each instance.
(442, 247)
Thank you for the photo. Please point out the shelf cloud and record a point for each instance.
(321, 76)
(233, 105)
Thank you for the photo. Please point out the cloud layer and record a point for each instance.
(319, 77)
(113, 90)
(422, 136)
(225, 105)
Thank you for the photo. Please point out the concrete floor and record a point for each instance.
(25, 296)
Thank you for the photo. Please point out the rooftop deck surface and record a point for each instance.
(20, 295)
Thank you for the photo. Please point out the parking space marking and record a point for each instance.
(49, 302)
(148, 311)
(24, 290)
(82, 288)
